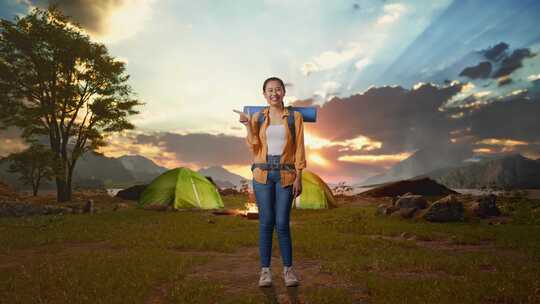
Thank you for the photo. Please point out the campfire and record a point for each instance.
(249, 210)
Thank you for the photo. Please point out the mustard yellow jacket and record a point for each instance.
(292, 153)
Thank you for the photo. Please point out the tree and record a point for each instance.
(56, 83)
(33, 164)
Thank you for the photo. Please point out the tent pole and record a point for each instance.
(196, 193)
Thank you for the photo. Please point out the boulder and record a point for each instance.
(486, 206)
(447, 209)
(412, 201)
(384, 209)
(405, 212)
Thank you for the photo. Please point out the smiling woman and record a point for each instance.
(279, 157)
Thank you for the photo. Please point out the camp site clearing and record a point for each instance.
(345, 254)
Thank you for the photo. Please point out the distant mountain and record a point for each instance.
(222, 177)
(512, 171)
(142, 168)
(107, 169)
(423, 161)
(93, 170)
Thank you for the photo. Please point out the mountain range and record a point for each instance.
(96, 171)
(511, 171)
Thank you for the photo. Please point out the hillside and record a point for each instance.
(512, 171)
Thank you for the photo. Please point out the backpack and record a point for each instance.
(290, 121)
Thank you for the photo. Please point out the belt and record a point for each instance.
(272, 166)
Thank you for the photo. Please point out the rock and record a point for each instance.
(422, 186)
(384, 209)
(406, 212)
(447, 209)
(26, 209)
(412, 201)
(380, 209)
(88, 207)
(486, 206)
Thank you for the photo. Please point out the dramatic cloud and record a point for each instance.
(200, 149)
(514, 119)
(496, 52)
(402, 120)
(513, 62)
(108, 19)
(482, 70)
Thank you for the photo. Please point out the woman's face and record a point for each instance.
(274, 93)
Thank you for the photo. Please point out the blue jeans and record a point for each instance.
(274, 203)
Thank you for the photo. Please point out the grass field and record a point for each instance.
(342, 255)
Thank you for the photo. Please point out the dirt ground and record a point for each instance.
(238, 273)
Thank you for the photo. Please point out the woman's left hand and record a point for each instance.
(297, 186)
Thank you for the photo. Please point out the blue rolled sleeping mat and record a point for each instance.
(308, 113)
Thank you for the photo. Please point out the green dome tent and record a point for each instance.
(315, 193)
(181, 188)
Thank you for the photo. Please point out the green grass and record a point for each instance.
(125, 256)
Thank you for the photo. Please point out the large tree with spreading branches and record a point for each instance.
(57, 84)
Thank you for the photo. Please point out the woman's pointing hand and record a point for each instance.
(244, 119)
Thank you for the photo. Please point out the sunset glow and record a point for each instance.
(242, 170)
(502, 142)
(356, 144)
(318, 159)
(374, 159)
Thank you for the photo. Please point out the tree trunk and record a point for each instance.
(62, 194)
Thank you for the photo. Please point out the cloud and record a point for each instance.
(513, 62)
(504, 81)
(11, 142)
(496, 52)
(328, 90)
(331, 59)
(482, 70)
(362, 63)
(533, 77)
(513, 118)
(200, 149)
(392, 12)
(400, 119)
(107, 20)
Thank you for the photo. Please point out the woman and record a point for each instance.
(279, 158)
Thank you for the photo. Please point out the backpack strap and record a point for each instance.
(261, 118)
(292, 127)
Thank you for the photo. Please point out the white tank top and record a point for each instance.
(275, 139)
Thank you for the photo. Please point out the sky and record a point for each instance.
(389, 78)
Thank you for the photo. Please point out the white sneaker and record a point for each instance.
(290, 277)
(266, 277)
